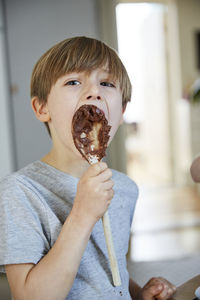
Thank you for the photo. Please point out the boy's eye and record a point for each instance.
(73, 82)
(108, 84)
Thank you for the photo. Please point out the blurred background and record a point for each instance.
(159, 43)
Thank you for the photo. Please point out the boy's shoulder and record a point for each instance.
(17, 175)
(23, 178)
(37, 186)
(35, 171)
(35, 179)
(121, 175)
(16, 180)
(123, 181)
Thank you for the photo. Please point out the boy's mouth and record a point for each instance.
(98, 110)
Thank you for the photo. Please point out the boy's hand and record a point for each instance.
(157, 288)
(94, 192)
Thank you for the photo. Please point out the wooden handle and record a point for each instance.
(111, 250)
(109, 242)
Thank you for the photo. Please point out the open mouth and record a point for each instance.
(98, 111)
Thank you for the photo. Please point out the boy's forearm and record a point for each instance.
(53, 276)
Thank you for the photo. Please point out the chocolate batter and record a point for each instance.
(90, 131)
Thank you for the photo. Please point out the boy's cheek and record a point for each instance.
(115, 121)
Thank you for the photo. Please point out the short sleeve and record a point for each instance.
(22, 235)
(134, 192)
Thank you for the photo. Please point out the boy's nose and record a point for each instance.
(94, 97)
(92, 91)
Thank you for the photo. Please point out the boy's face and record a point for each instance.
(72, 91)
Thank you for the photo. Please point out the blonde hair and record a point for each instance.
(77, 54)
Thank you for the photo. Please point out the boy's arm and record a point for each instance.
(53, 276)
(195, 169)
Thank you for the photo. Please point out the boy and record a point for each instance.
(52, 241)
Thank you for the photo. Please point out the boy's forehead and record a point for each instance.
(103, 69)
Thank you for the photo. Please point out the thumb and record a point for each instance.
(96, 169)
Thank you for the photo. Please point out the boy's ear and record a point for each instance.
(40, 109)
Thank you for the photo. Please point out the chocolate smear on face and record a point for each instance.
(90, 131)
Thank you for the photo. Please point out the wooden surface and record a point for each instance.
(186, 291)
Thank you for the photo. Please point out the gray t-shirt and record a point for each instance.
(34, 203)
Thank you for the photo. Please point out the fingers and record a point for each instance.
(105, 175)
(158, 288)
(96, 169)
(95, 190)
(168, 289)
(102, 174)
(151, 290)
(108, 185)
(109, 195)
(166, 293)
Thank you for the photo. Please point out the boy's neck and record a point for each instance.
(75, 167)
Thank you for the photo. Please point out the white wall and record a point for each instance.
(33, 27)
(6, 145)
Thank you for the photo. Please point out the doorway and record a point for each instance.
(141, 31)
